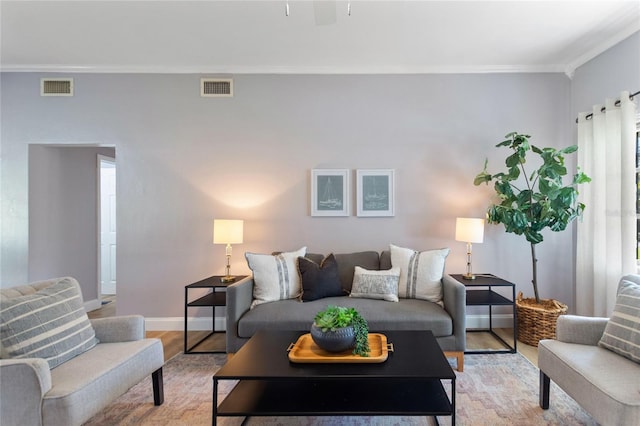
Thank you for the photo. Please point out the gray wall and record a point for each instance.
(183, 160)
(63, 215)
(606, 75)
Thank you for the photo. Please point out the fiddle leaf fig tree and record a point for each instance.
(531, 202)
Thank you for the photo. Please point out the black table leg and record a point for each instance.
(545, 383)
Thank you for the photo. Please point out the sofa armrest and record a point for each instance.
(455, 303)
(123, 328)
(25, 381)
(239, 297)
(578, 329)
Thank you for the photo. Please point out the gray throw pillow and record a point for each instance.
(319, 281)
(622, 333)
(50, 324)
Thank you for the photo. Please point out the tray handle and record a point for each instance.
(291, 346)
(390, 347)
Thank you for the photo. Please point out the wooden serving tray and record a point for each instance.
(306, 351)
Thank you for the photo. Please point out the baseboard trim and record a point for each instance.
(92, 305)
(177, 324)
(482, 321)
(203, 323)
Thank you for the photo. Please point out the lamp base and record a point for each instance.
(468, 276)
(227, 279)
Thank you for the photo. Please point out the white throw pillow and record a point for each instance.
(376, 284)
(275, 277)
(420, 272)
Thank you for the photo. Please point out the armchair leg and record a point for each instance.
(459, 356)
(544, 391)
(158, 387)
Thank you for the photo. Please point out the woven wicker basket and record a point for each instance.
(536, 322)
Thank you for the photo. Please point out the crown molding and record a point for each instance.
(328, 70)
(624, 33)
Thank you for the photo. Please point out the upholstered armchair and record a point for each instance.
(32, 392)
(592, 360)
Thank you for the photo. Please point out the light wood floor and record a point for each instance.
(173, 341)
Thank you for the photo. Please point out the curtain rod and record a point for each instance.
(617, 103)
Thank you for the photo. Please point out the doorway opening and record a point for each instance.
(107, 224)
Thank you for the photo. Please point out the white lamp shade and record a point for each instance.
(227, 231)
(469, 230)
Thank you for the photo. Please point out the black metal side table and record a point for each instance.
(480, 293)
(213, 299)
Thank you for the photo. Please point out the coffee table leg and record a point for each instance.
(453, 402)
(214, 416)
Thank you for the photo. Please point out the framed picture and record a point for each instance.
(375, 190)
(330, 192)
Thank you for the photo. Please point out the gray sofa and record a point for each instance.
(70, 394)
(447, 324)
(605, 384)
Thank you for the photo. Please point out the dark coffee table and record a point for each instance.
(407, 383)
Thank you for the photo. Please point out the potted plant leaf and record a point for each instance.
(529, 203)
(337, 329)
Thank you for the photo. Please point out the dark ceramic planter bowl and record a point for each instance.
(334, 341)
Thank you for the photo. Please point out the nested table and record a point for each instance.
(214, 299)
(409, 382)
(480, 292)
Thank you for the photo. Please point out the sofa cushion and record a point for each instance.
(376, 284)
(50, 323)
(291, 315)
(622, 333)
(420, 272)
(91, 381)
(275, 277)
(319, 280)
(385, 260)
(347, 263)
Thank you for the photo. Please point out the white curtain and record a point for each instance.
(606, 237)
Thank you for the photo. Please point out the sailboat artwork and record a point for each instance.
(375, 193)
(375, 197)
(330, 195)
(329, 192)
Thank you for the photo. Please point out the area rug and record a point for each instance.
(494, 389)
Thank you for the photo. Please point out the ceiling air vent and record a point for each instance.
(56, 87)
(216, 87)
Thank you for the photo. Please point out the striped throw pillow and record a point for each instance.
(622, 333)
(275, 277)
(420, 272)
(50, 324)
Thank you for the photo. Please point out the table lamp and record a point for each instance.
(469, 230)
(227, 232)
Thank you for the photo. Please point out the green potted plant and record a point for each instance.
(337, 329)
(529, 203)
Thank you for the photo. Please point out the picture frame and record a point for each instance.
(330, 192)
(375, 192)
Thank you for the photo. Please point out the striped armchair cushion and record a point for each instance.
(50, 323)
(622, 333)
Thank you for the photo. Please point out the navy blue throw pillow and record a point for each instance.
(319, 281)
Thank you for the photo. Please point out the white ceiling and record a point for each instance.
(317, 36)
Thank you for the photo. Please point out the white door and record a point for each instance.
(107, 225)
